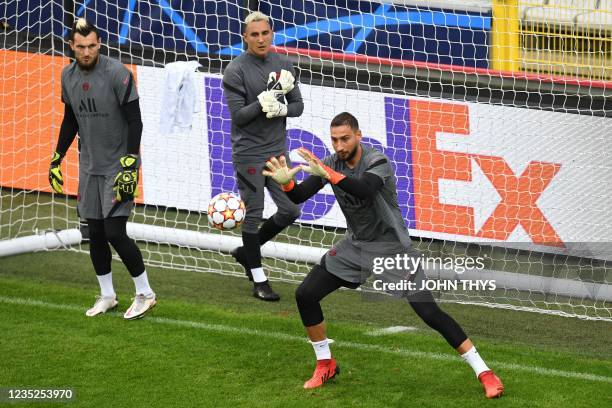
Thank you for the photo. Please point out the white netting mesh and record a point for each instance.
(494, 114)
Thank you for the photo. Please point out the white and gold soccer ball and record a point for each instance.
(226, 211)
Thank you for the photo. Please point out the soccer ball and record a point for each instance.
(226, 211)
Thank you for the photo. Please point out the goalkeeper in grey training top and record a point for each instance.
(101, 104)
(363, 182)
(260, 92)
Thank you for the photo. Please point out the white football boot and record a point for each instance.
(140, 306)
(102, 305)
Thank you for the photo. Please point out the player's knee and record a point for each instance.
(251, 225)
(286, 218)
(437, 319)
(116, 236)
(293, 212)
(96, 230)
(304, 295)
(428, 311)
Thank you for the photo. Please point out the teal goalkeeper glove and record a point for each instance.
(56, 179)
(126, 181)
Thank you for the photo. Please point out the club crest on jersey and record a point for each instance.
(86, 86)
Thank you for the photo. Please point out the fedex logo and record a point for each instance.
(518, 193)
(426, 175)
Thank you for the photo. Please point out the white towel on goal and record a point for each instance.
(181, 97)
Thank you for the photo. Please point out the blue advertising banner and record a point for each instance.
(214, 27)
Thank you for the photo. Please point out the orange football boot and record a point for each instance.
(324, 371)
(491, 383)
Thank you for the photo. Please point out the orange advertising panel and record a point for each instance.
(31, 113)
(427, 118)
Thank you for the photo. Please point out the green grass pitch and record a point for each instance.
(209, 343)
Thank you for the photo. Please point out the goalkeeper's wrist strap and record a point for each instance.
(289, 186)
(129, 161)
(334, 176)
(57, 158)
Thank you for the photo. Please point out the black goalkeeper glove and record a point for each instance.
(56, 179)
(126, 181)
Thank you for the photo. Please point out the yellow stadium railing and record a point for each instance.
(558, 37)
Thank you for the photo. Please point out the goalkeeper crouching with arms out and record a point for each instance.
(364, 184)
(260, 90)
(101, 104)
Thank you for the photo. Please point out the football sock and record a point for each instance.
(258, 275)
(106, 285)
(250, 241)
(321, 349)
(475, 361)
(142, 284)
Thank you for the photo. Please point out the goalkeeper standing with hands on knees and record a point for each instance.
(260, 92)
(101, 104)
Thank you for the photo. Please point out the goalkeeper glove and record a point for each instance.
(280, 84)
(55, 173)
(317, 168)
(280, 172)
(271, 106)
(126, 181)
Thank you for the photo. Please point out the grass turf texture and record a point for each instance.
(208, 343)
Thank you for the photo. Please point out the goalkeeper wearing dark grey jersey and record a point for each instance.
(101, 105)
(260, 90)
(363, 182)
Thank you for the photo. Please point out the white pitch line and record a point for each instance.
(550, 372)
(390, 330)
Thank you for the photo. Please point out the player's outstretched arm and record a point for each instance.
(68, 131)
(364, 187)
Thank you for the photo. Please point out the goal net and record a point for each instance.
(494, 114)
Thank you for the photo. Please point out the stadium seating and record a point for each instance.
(599, 19)
(567, 37)
(570, 12)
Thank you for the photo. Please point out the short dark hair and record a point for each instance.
(345, 119)
(83, 27)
